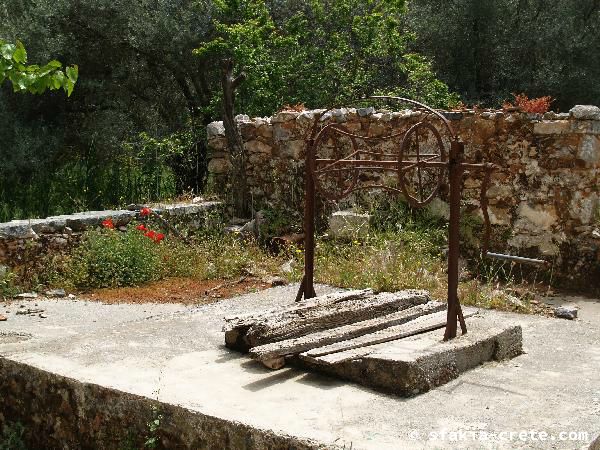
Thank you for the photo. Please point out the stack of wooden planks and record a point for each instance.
(321, 329)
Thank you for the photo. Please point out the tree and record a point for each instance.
(488, 49)
(33, 78)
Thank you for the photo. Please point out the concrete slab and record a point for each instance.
(175, 354)
(418, 363)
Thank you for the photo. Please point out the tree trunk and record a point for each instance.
(229, 84)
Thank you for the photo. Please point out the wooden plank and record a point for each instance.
(297, 322)
(301, 344)
(357, 347)
(236, 327)
(333, 315)
(250, 319)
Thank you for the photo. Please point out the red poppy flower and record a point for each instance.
(108, 223)
(141, 227)
(150, 234)
(145, 212)
(159, 237)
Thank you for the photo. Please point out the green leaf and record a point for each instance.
(7, 50)
(20, 54)
(73, 73)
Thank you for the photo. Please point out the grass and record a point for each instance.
(403, 250)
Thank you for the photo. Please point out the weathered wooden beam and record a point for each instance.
(296, 323)
(303, 305)
(358, 347)
(301, 344)
(236, 327)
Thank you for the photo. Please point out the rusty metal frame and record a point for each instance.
(454, 165)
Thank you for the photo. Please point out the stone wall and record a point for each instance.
(545, 197)
(24, 240)
(62, 413)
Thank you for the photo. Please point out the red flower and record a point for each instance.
(141, 227)
(108, 223)
(159, 237)
(145, 212)
(150, 234)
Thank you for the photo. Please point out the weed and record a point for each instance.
(153, 426)
(8, 283)
(11, 437)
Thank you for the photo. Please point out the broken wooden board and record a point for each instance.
(352, 348)
(389, 341)
(274, 350)
(318, 316)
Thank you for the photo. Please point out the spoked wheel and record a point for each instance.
(334, 145)
(421, 167)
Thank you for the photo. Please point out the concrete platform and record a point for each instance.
(91, 372)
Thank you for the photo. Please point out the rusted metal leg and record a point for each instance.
(301, 289)
(309, 227)
(455, 176)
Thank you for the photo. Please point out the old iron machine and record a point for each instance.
(338, 161)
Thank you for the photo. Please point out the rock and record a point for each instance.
(3, 318)
(348, 224)
(233, 229)
(288, 267)
(3, 271)
(26, 295)
(275, 281)
(56, 293)
(219, 166)
(43, 316)
(215, 129)
(552, 127)
(258, 147)
(292, 149)
(364, 112)
(596, 444)
(17, 229)
(566, 312)
(585, 112)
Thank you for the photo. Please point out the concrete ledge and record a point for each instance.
(62, 413)
(419, 363)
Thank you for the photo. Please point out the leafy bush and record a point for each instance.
(8, 287)
(109, 258)
(525, 104)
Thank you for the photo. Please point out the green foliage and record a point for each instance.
(110, 258)
(153, 426)
(11, 437)
(487, 49)
(33, 78)
(348, 48)
(8, 283)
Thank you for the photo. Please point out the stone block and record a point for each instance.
(585, 112)
(215, 129)
(292, 149)
(257, 147)
(219, 166)
(348, 224)
(589, 150)
(552, 127)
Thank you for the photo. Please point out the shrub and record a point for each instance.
(525, 104)
(108, 258)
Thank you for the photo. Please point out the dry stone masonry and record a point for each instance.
(26, 239)
(544, 200)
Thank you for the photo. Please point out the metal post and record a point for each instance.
(455, 177)
(307, 285)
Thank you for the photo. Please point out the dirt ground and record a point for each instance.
(188, 291)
